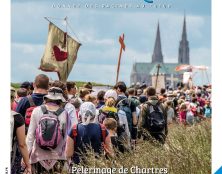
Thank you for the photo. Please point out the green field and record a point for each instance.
(78, 83)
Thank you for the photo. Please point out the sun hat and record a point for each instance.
(55, 93)
(110, 93)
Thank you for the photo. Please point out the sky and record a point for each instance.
(98, 29)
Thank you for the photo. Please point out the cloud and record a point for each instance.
(98, 31)
(93, 65)
(27, 48)
(89, 38)
(201, 56)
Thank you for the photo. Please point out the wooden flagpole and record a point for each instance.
(66, 42)
(122, 47)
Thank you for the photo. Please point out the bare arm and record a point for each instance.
(134, 118)
(69, 147)
(20, 134)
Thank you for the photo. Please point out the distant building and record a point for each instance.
(143, 72)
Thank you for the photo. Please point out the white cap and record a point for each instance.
(110, 93)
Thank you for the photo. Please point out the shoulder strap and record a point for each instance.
(44, 109)
(59, 111)
(129, 102)
(31, 102)
(74, 133)
(148, 107)
(120, 102)
(103, 128)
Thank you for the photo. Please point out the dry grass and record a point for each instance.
(187, 151)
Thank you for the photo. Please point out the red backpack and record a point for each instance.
(28, 112)
(103, 128)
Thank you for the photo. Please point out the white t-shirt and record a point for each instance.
(170, 115)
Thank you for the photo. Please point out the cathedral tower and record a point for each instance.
(184, 57)
(157, 56)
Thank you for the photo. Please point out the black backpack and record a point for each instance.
(107, 114)
(110, 114)
(155, 120)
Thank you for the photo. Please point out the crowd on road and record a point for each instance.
(54, 124)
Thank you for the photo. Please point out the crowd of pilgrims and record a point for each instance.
(53, 124)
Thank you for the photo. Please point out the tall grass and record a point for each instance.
(187, 151)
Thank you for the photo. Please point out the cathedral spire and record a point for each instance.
(184, 57)
(184, 34)
(157, 52)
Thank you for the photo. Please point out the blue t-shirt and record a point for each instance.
(207, 112)
(24, 104)
(87, 135)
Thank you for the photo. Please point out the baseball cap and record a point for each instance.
(26, 85)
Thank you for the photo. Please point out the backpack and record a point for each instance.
(28, 112)
(48, 131)
(107, 114)
(155, 120)
(124, 105)
(135, 100)
(120, 128)
(102, 115)
(75, 133)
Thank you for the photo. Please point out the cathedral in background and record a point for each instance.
(146, 72)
